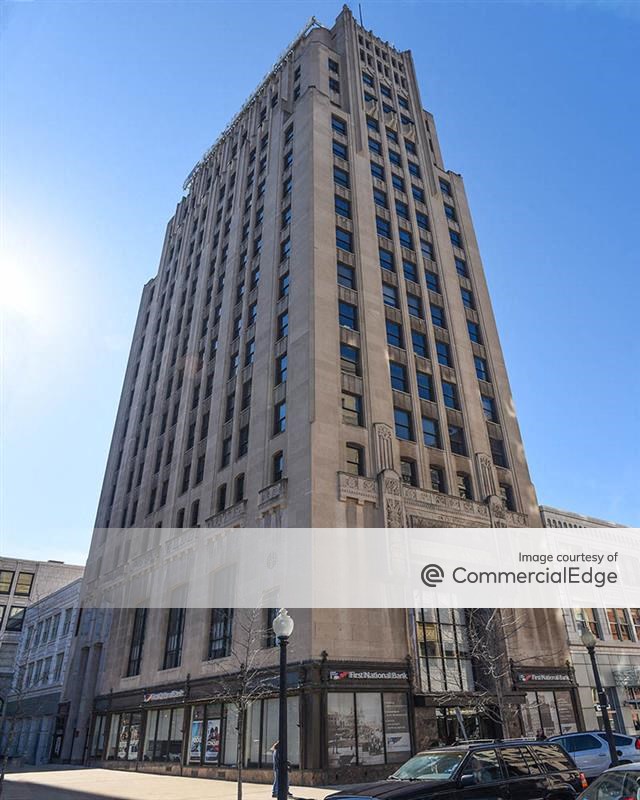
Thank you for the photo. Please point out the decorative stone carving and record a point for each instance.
(486, 476)
(384, 447)
(394, 517)
(352, 487)
(275, 492)
(497, 512)
(227, 517)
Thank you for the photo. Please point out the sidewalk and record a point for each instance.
(110, 784)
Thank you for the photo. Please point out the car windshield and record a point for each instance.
(433, 765)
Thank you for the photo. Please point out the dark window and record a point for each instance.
(414, 304)
(386, 91)
(398, 375)
(243, 441)
(444, 354)
(386, 259)
(430, 432)
(246, 394)
(333, 66)
(474, 332)
(346, 276)
(339, 125)
(280, 417)
(367, 79)
(426, 249)
(406, 239)
(249, 352)
(403, 424)
(285, 217)
(456, 239)
(173, 641)
(425, 386)
(445, 187)
(408, 471)
(350, 359)
(334, 85)
(433, 283)
(422, 220)
(340, 150)
(489, 408)
(199, 470)
(437, 316)
(283, 325)
(377, 171)
(497, 452)
(456, 440)
(15, 620)
(436, 475)
(220, 630)
(394, 334)
(380, 198)
(398, 182)
(287, 161)
(464, 486)
(369, 98)
(450, 394)
(229, 407)
(403, 103)
(467, 298)
(225, 455)
(419, 341)
(552, 758)
(354, 458)
(482, 372)
(390, 295)
(137, 641)
(450, 212)
(461, 267)
(410, 272)
(375, 146)
(394, 158)
(352, 409)
(506, 495)
(482, 767)
(418, 193)
(283, 285)
(348, 315)
(277, 466)
(341, 177)
(402, 209)
(516, 761)
(344, 240)
(383, 227)
(281, 369)
(414, 169)
(392, 136)
(343, 207)
(372, 124)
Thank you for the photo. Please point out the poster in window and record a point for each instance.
(396, 726)
(212, 747)
(195, 743)
(341, 729)
(134, 741)
(369, 719)
(123, 738)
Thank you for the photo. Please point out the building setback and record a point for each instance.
(318, 349)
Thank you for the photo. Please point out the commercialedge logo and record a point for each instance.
(433, 574)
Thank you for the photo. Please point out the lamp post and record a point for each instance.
(283, 628)
(589, 641)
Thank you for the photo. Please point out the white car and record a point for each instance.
(590, 751)
(615, 783)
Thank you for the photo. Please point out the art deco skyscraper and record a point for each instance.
(318, 349)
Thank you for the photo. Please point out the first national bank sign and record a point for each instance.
(367, 675)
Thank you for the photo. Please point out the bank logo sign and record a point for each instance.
(367, 675)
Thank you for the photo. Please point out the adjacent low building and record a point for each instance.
(34, 721)
(618, 643)
(22, 583)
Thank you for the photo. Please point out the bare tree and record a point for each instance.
(492, 638)
(248, 675)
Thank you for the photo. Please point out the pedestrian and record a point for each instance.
(275, 749)
(540, 736)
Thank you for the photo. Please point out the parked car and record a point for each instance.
(590, 750)
(617, 783)
(512, 770)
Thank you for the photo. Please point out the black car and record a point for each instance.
(514, 770)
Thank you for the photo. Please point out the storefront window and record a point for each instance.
(443, 643)
(114, 728)
(124, 736)
(97, 741)
(163, 737)
(367, 728)
(262, 731)
(549, 712)
(230, 753)
(204, 737)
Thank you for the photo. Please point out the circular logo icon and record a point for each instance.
(432, 575)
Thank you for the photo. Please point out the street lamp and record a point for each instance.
(283, 628)
(589, 641)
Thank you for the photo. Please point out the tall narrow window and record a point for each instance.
(430, 432)
(173, 642)
(464, 486)
(354, 457)
(137, 641)
(220, 631)
(277, 466)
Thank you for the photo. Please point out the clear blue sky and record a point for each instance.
(106, 106)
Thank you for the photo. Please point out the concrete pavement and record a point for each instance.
(111, 784)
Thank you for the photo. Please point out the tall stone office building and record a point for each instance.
(317, 349)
